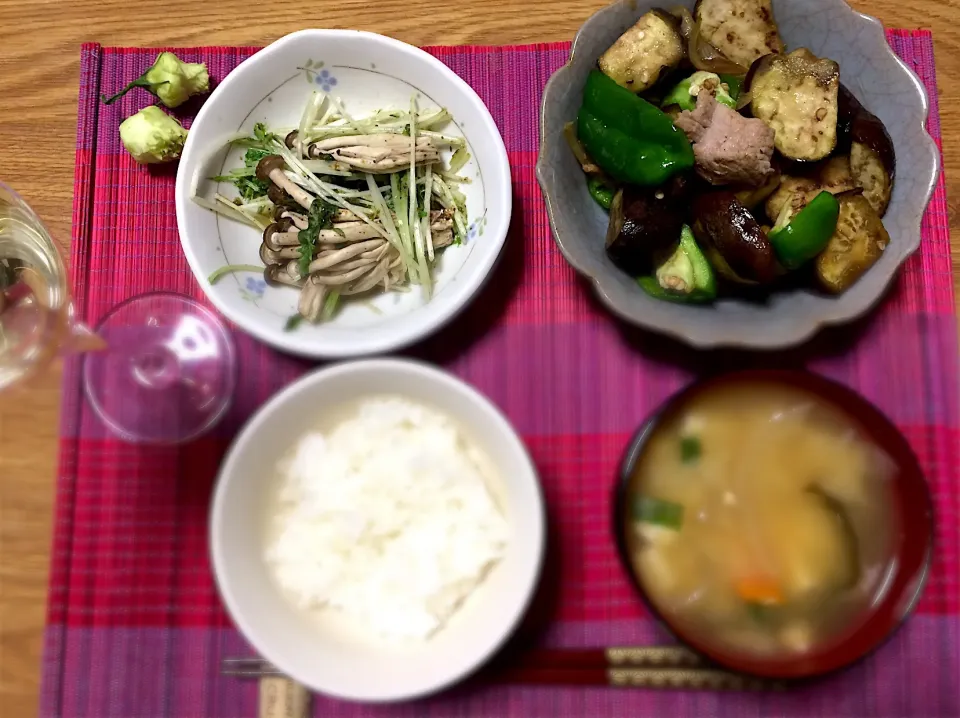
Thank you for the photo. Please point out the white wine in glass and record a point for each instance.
(36, 322)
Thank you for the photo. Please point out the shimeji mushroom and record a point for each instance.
(442, 238)
(270, 169)
(277, 275)
(312, 298)
(349, 255)
(270, 256)
(374, 153)
(281, 212)
(341, 255)
(339, 278)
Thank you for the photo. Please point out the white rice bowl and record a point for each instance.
(333, 652)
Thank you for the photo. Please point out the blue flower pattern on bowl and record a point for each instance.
(315, 74)
(326, 81)
(253, 289)
(476, 228)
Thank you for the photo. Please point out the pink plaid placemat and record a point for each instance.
(135, 627)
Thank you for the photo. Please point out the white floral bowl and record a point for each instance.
(367, 72)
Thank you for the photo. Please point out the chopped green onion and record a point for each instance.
(690, 449)
(648, 509)
(762, 613)
(219, 274)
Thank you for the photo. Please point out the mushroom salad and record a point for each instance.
(728, 165)
(348, 206)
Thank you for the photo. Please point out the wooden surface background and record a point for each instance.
(39, 69)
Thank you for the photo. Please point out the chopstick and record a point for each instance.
(625, 656)
(655, 667)
(247, 668)
(670, 667)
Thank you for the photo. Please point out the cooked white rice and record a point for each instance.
(387, 519)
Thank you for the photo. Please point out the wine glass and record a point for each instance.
(159, 368)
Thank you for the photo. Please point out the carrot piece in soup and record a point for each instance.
(760, 590)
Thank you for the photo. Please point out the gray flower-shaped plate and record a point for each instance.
(868, 67)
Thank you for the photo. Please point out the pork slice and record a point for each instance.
(728, 147)
(694, 123)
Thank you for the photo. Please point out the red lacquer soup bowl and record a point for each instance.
(911, 537)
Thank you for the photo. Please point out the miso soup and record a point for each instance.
(760, 520)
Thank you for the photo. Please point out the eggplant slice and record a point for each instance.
(796, 95)
(743, 30)
(870, 174)
(725, 225)
(640, 55)
(796, 190)
(835, 175)
(751, 197)
(856, 245)
(832, 175)
(872, 157)
(851, 548)
(645, 225)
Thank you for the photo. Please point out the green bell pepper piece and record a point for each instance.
(686, 277)
(601, 192)
(625, 158)
(798, 240)
(680, 95)
(735, 83)
(630, 139)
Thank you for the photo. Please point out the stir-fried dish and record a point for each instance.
(760, 520)
(348, 206)
(727, 165)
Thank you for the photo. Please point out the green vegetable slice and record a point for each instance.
(690, 449)
(735, 83)
(681, 95)
(763, 614)
(685, 277)
(851, 541)
(330, 304)
(629, 138)
(601, 192)
(651, 510)
(292, 322)
(800, 239)
(459, 159)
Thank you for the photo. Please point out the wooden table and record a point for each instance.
(39, 66)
